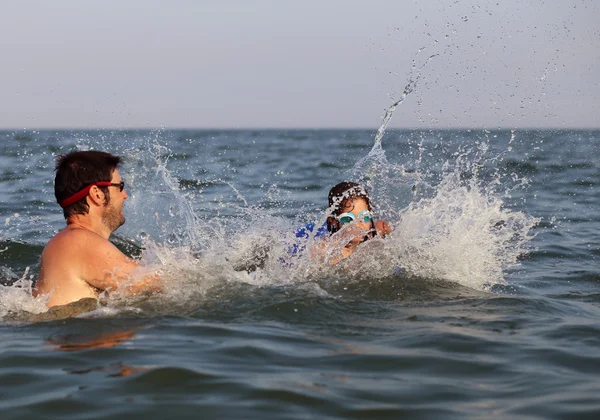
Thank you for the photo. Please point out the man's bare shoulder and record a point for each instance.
(74, 238)
(73, 245)
(82, 254)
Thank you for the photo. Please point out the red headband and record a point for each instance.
(81, 194)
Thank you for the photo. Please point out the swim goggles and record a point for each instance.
(364, 216)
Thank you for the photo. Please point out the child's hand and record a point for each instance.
(352, 235)
(383, 228)
(343, 243)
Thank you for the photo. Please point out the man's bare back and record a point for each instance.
(78, 263)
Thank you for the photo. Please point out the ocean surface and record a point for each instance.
(483, 303)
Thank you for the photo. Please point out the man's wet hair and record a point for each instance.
(77, 170)
(339, 196)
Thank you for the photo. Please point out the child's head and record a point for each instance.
(344, 191)
(348, 201)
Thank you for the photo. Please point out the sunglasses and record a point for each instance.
(364, 216)
(85, 191)
(121, 185)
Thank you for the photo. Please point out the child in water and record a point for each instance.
(350, 222)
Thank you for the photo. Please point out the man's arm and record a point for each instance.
(109, 269)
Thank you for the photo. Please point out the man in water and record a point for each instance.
(80, 262)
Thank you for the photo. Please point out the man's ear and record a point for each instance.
(97, 196)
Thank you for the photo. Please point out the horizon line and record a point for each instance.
(537, 128)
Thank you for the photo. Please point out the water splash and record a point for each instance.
(377, 154)
(457, 229)
(17, 298)
(463, 234)
(374, 167)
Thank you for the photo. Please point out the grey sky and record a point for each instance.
(310, 63)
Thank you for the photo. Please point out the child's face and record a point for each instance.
(355, 206)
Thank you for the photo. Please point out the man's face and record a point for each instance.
(113, 215)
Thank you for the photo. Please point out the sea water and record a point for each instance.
(482, 303)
